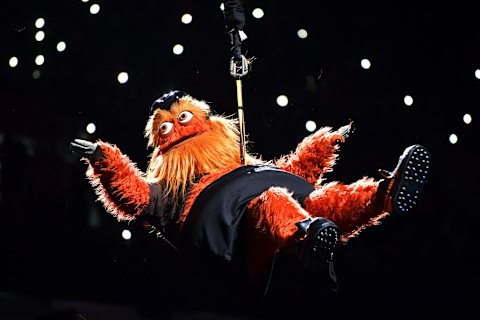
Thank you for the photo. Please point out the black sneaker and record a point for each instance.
(319, 244)
(402, 187)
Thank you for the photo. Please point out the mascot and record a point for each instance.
(197, 194)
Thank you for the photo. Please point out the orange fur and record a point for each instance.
(197, 152)
(274, 213)
(352, 207)
(213, 146)
(271, 219)
(313, 157)
(128, 193)
(195, 126)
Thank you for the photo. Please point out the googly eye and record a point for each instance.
(185, 116)
(165, 127)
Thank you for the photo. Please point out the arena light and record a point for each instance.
(122, 77)
(91, 128)
(365, 63)
(453, 138)
(13, 62)
(39, 60)
(177, 49)
(126, 234)
(467, 118)
(302, 33)
(477, 73)
(258, 13)
(222, 6)
(36, 74)
(40, 23)
(40, 35)
(94, 8)
(85, 0)
(310, 125)
(310, 83)
(187, 18)
(408, 100)
(282, 100)
(61, 46)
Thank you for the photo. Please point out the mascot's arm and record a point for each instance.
(314, 156)
(119, 184)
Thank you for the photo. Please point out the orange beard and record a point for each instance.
(205, 153)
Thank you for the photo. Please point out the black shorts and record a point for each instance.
(213, 223)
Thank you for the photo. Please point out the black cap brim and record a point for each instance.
(165, 101)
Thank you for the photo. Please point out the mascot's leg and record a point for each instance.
(276, 221)
(361, 204)
(352, 207)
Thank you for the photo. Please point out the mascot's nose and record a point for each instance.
(165, 101)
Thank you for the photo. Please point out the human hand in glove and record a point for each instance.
(87, 149)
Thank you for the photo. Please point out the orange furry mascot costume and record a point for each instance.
(197, 194)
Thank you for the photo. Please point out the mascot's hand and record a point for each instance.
(342, 133)
(87, 149)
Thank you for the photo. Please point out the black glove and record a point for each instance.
(87, 149)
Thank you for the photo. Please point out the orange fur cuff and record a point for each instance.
(118, 183)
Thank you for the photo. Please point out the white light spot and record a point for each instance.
(467, 118)
(40, 35)
(408, 100)
(178, 49)
(61, 46)
(39, 60)
(39, 23)
(13, 62)
(94, 8)
(365, 63)
(282, 100)
(453, 138)
(302, 33)
(126, 234)
(36, 74)
(187, 18)
(91, 128)
(122, 77)
(84, 0)
(477, 73)
(257, 13)
(310, 125)
(222, 6)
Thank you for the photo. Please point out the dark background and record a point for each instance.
(62, 256)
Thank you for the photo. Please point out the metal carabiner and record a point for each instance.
(238, 69)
